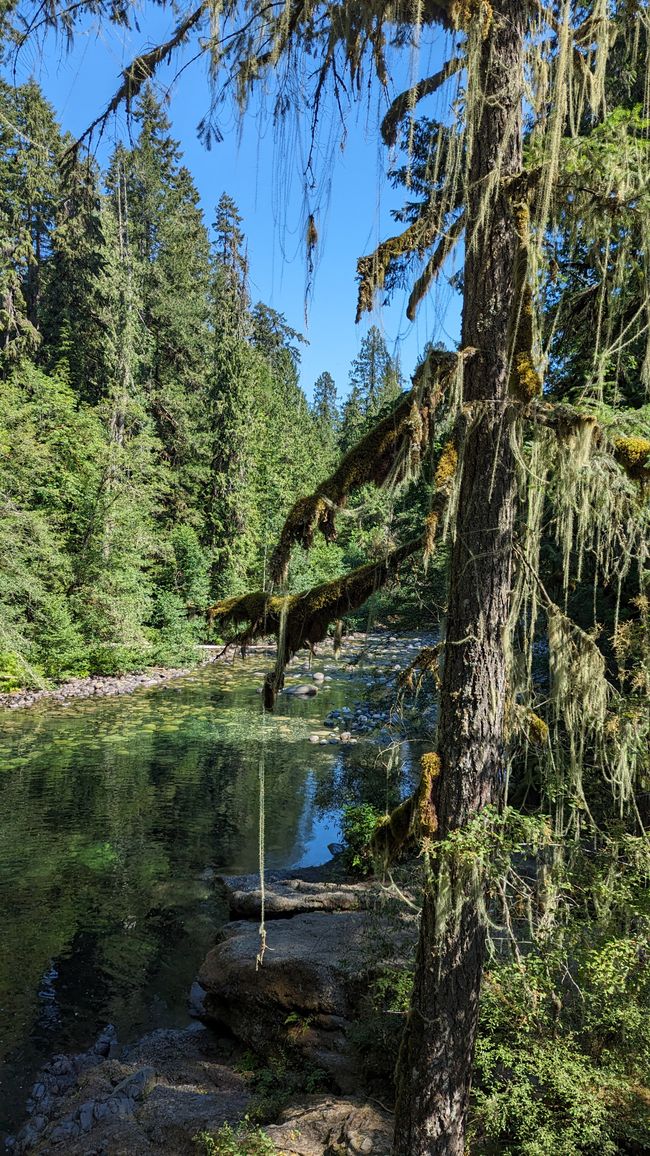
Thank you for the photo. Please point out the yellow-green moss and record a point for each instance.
(536, 729)
(447, 465)
(425, 817)
(415, 818)
(526, 383)
(633, 454)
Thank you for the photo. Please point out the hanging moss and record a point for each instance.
(393, 448)
(413, 820)
(525, 382)
(426, 662)
(465, 13)
(633, 454)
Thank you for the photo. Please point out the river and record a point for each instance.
(114, 818)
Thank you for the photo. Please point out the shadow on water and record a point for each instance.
(114, 816)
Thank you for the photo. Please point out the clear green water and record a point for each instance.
(113, 816)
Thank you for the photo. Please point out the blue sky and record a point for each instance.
(262, 170)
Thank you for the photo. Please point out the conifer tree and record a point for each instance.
(502, 435)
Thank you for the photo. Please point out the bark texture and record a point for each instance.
(434, 1070)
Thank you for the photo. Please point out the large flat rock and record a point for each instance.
(307, 990)
(286, 895)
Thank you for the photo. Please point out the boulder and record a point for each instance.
(327, 1126)
(285, 896)
(307, 991)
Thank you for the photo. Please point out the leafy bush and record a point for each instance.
(12, 672)
(107, 659)
(61, 650)
(278, 1081)
(358, 825)
(239, 1141)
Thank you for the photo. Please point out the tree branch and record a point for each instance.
(433, 266)
(390, 449)
(406, 101)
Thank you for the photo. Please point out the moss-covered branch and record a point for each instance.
(413, 820)
(373, 269)
(443, 249)
(141, 69)
(406, 101)
(299, 620)
(389, 449)
(632, 452)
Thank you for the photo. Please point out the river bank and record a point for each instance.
(273, 1042)
(103, 685)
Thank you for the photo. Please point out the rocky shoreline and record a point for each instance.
(163, 1093)
(103, 685)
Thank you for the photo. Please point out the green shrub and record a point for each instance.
(60, 648)
(190, 577)
(358, 825)
(174, 636)
(12, 672)
(114, 659)
(239, 1141)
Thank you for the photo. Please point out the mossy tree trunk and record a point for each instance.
(434, 1069)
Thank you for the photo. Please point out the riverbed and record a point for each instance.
(115, 817)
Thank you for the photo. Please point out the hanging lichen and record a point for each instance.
(525, 381)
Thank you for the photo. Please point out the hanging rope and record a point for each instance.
(259, 960)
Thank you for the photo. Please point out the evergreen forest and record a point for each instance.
(170, 483)
(154, 429)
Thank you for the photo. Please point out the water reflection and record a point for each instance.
(112, 815)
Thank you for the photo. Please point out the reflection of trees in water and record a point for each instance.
(365, 774)
(109, 814)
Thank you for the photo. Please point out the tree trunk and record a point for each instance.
(434, 1069)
